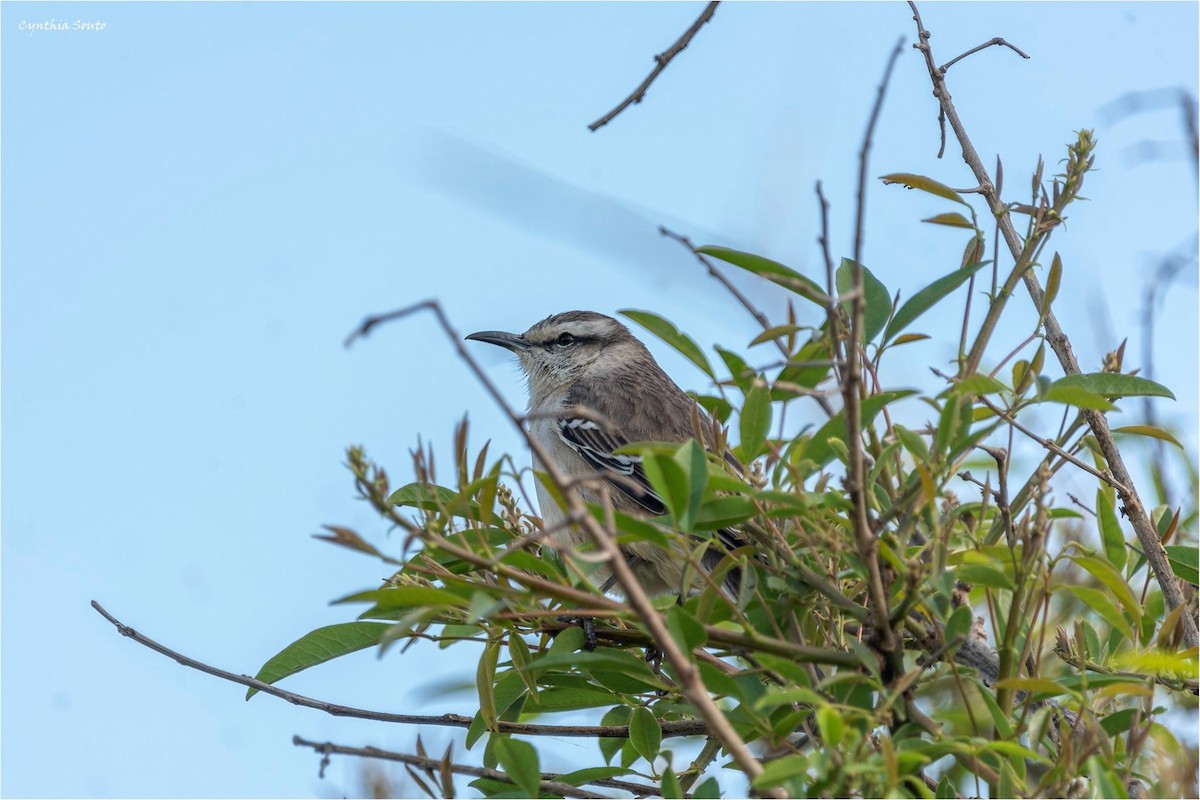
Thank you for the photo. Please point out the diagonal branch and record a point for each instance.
(1156, 556)
(660, 63)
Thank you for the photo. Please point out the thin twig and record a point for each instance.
(660, 63)
(887, 644)
(996, 41)
(670, 728)
(1147, 535)
(1052, 447)
(548, 783)
(758, 315)
(864, 152)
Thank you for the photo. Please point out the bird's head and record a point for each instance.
(568, 347)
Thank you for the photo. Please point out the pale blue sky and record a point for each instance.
(201, 200)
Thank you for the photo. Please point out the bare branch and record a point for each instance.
(660, 63)
(1152, 547)
(670, 728)
(996, 41)
(866, 150)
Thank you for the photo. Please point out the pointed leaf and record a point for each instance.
(1149, 430)
(773, 271)
(666, 330)
(1073, 395)
(1110, 531)
(319, 646)
(1110, 384)
(877, 301)
(1183, 558)
(952, 219)
(645, 734)
(925, 299)
(911, 181)
(1053, 281)
(520, 762)
(755, 422)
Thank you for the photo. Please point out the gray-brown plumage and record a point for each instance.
(594, 388)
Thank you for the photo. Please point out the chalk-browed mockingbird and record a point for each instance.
(594, 388)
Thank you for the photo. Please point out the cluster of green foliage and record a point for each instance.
(1032, 653)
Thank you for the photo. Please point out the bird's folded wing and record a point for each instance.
(624, 472)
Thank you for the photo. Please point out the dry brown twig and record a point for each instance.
(660, 63)
(1147, 536)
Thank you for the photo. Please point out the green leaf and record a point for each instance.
(776, 332)
(743, 376)
(709, 790)
(755, 422)
(519, 760)
(666, 330)
(1183, 558)
(984, 575)
(670, 785)
(686, 630)
(979, 385)
(645, 734)
(913, 443)
(669, 480)
(1110, 530)
(829, 721)
(567, 698)
(1053, 282)
(1110, 384)
(395, 598)
(1102, 606)
(485, 680)
(820, 449)
(589, 774)
(1148, 430)
(958, 626)
(1103, 571)
(317, 647)
(773, 271)
(925, 299)
(1075, 396)
(692, 460)
(951, 218)
(428, 497)
(911, 181)
(877, 301)
(780, 770)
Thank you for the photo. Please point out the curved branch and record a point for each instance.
(669, 727)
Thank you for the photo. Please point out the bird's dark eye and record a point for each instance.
(565, 340)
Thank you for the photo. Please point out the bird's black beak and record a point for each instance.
(509, 341)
